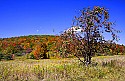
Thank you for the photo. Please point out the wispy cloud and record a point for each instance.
(74, 29)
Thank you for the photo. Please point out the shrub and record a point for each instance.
(19, 54)
(8, 57)
(30, 56)
(1, 56)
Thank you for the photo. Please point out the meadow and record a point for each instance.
(103, 68)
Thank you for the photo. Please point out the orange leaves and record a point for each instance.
(24, 47)
(36, 54)
(117, 46)
(40, 50)
(14, 44)
(29, 44)
(121, 49)
(37, 51)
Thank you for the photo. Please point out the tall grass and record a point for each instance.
(70, 69)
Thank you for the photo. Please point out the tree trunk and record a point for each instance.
(87, 59)
(90, 59)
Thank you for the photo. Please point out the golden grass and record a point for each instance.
(109, 68)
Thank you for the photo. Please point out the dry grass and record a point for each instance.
(109, 68)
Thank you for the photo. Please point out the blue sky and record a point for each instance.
(31, 17)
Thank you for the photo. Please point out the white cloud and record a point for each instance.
(75, 29)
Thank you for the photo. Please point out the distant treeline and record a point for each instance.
(43, 46)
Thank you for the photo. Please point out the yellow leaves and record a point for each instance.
(110, 50)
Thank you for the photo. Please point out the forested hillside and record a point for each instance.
(27, 44)
(44, 46)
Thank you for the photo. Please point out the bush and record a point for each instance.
(1, 56)
(19, 54)
(8, 57)
(30, 56)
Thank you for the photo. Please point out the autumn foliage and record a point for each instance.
(84, 39)
(87, 34)
(38, 45)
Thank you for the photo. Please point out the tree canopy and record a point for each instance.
(87, 32)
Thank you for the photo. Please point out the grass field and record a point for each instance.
(109, 68)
